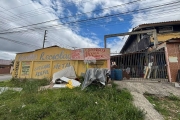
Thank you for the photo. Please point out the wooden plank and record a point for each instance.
(145, 75)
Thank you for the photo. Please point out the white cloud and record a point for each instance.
(116, 44)
(68, 35)
(120, 19)
(160, 14)
(7, 55)
(63, 36)
(106, 5)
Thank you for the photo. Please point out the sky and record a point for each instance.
(76, 23)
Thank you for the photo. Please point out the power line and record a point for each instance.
(18, 6)
(83, 13)
(18, 42)
(27, 21)
(43, 8)
(85, 20)
(46, 2)
(126, 19)
(148, 19)
(23, 44)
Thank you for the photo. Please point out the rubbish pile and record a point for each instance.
(66, 82)
(62, 79)
(67, 78)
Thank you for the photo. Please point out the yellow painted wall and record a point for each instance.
(166, 36)
(44, 62)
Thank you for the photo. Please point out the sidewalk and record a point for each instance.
(4, 74)
(4, 77)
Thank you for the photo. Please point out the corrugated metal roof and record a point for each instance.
(172, 40)
(5, 62)
(146, 25)
(161, 22)
(156, 24)
(176, 38)
(38, 49)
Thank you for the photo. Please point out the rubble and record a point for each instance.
(67, 72)
(3, 89)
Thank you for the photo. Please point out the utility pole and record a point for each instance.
(45, 32)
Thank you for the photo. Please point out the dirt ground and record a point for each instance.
(138, 88)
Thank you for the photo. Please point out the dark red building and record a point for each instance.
(5, 66)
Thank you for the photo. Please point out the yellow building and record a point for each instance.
(43, 63)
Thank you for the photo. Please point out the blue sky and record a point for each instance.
(75, 23)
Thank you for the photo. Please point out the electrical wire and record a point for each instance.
(91, 11)
(80, 21)
(18, 42)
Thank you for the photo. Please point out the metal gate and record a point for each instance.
(143, 65)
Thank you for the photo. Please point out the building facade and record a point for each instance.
(147, 62)
(5, 66)
(165, 31)
(43, 63)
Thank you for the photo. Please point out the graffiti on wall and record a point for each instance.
(42, 70)
(97, 53)
(25, 68)
(61, 66)
(59, 56)
(43, 56)
(29, 57)
(77, 54)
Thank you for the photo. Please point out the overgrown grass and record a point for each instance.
(93, 103)
(168, 106)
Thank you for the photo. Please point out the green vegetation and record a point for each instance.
(168, 106)
(93, 103)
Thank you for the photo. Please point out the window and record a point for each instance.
(165, 29)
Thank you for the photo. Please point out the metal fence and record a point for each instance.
(143, 65)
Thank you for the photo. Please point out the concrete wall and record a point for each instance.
(44, 62)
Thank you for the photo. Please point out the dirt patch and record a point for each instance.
(156, 88)
(137, 89)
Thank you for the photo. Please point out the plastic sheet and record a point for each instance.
(93, 74)
(67, 72)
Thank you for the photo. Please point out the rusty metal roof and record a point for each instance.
(156, 24)
(5, 62)
(146, 25)
(38, 49)
(173, 40)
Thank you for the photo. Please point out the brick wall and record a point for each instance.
(173, 51)
(5, 70)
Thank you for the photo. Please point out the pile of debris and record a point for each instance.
(67, 78)
(62, 79)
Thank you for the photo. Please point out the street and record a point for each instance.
(5, 77)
